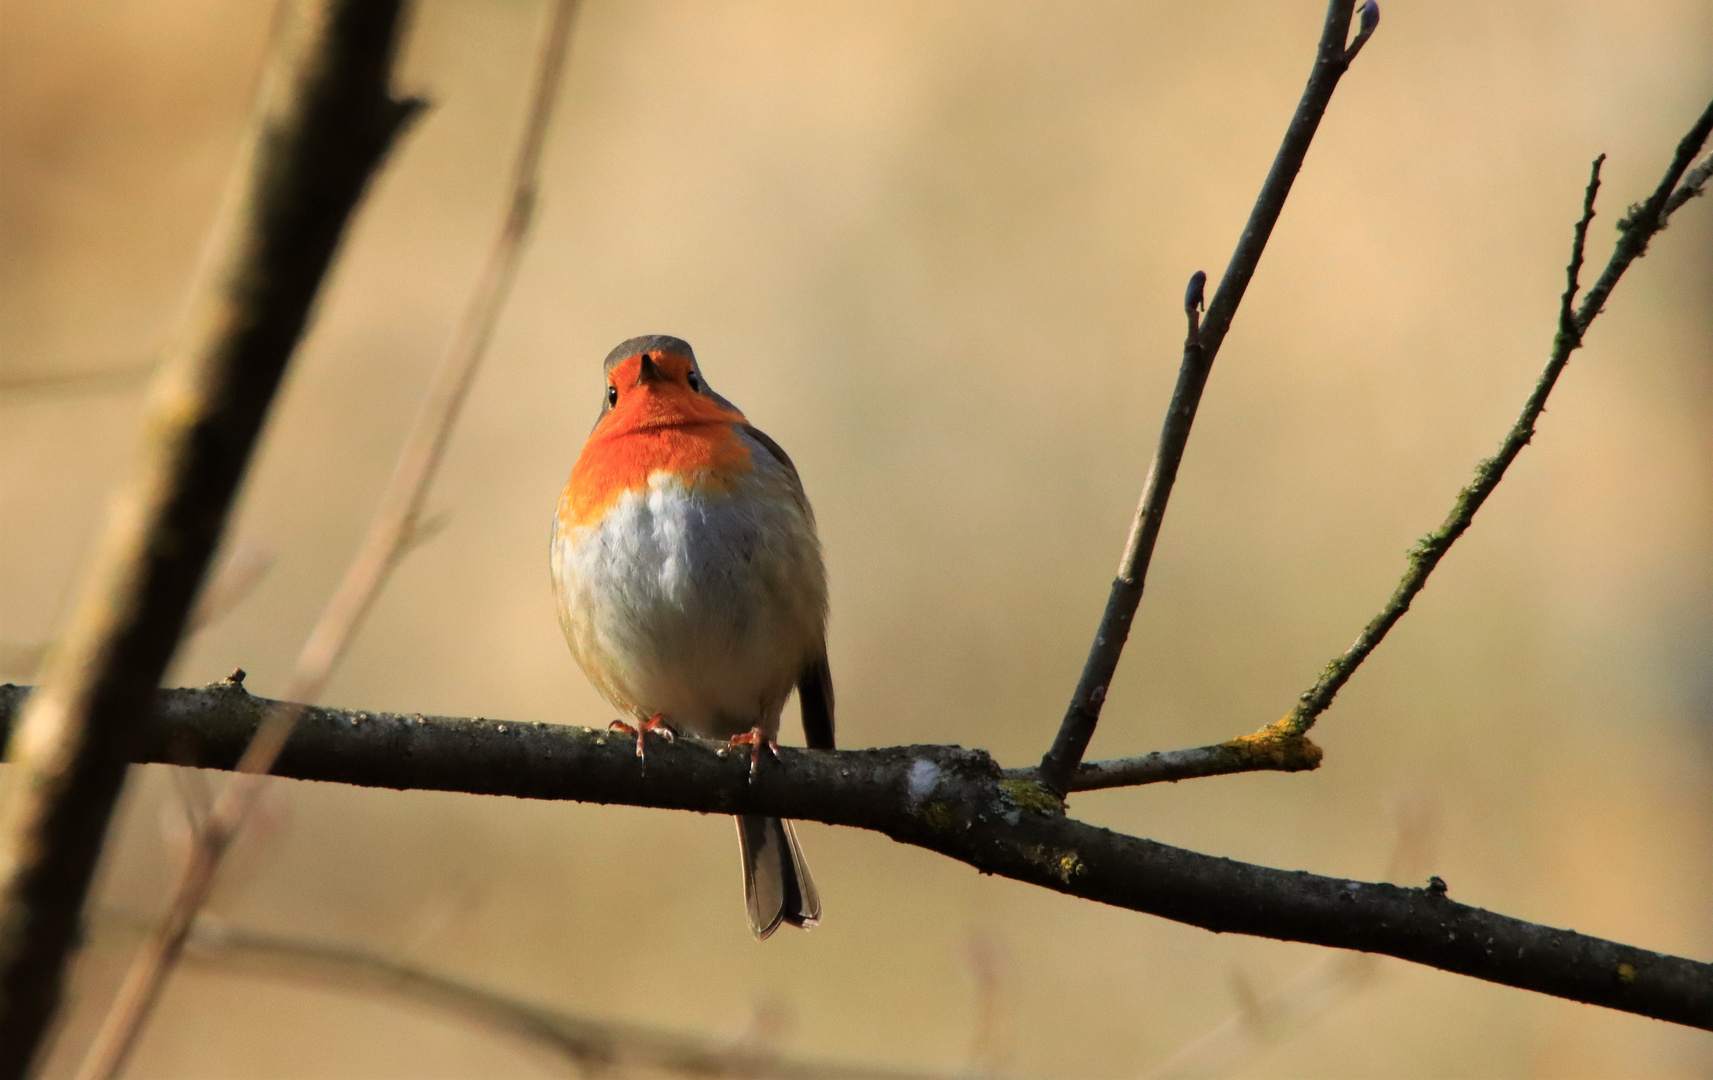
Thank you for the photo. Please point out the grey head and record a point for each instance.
(655, 346)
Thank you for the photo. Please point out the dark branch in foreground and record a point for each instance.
(326, 123)
(946, 799)
(1634, 231)
(1332, 58)
(391, 531)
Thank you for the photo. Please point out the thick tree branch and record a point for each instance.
(1634, 231)
(1201, 346)
(325, 124)
(942, 798)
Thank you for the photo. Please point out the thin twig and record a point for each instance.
(953, 801)
(325, 122)
(1368, 21)
(584, 1041)
(1268, 750)
(1694, 186)
(1635, 230)
(390, 531)
(1059, 764)
(1077, 728)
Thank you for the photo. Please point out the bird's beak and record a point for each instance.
(647, 372)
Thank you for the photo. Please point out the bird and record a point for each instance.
(691, 587)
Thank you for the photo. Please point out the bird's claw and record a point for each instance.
(756, 739)
(655, 724)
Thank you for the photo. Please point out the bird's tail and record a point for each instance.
(776, 883)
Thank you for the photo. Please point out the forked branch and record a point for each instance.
(1201, 346)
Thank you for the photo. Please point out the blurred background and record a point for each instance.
(937, 251)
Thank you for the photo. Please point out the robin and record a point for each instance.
(691, 589)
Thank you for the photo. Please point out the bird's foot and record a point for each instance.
(756, 739)
(656, 724)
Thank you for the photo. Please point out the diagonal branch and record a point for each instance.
(1333, 57)
(390, 534)
(325, 123)
(946, 799)
(1635, 230)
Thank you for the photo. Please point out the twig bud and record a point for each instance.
(1368, 20)
(1194, 293)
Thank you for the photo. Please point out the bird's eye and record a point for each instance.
(695, 382)
(612, 395)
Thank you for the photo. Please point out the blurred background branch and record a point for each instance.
(593, 1046)
(16, 388)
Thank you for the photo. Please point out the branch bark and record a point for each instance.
(325, 124)
(1059, 765)
(943, 798)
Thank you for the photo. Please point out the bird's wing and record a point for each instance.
(778, 453)
(815, 681)
(815, 698)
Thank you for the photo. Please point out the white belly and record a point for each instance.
(702, 608)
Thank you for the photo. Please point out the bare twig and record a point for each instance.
(325, 123)
(1635, 230)
(390, 532)
(584, 1041)
(991, 1035)
(1694, 186)
(1368, 21)
(1268, 750)
(238, 574)
(1201, 346)
(946, 799)
(1077, 728)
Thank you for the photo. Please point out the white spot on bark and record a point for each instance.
(923, 776)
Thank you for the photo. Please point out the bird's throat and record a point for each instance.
(705, 455)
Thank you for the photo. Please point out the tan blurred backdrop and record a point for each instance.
(937, 251)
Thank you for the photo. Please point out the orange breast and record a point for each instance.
(705, 456)
(658, 424)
